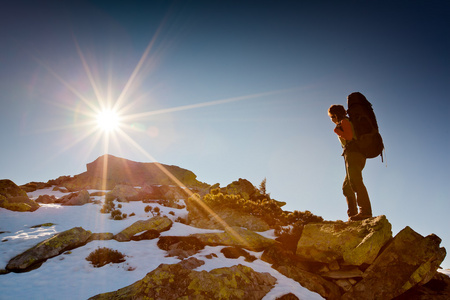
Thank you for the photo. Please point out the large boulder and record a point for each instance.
(157, 223)
(178, 281)
(18, 203)
(122, 192)
(12, 197)
(236, 236)
(78, 198)
(9, 189)
(51, 247)
(409, 260)
(355, 243)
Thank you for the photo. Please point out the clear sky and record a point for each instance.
(234, 89)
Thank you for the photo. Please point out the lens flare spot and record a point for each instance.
(108, 120)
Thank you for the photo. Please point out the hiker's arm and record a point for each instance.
(344, 130)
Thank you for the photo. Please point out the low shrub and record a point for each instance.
(104, 256)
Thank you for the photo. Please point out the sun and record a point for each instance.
(108, 120)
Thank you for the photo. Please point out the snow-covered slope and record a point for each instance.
(71, 276)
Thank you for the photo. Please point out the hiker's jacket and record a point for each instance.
(346, 134)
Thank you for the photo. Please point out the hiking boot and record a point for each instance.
(360, 217)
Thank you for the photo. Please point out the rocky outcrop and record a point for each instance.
(9, 189)
(14, 198)
(178, 281)
(236, 236)
(51, 247)
(107, 171)
(355, 243)
(156, 223)
(409, 260)
(78, 198)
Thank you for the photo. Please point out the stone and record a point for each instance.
(18, 203)
(78, 198)
(146, 235)
(291, 266)
(355, 243)
(51, 247)
(409, 260)
(344, 273)
(344, 284)
(121, 192)
(236, 252)
(9, 189)
(438, 288)
(289, 296)
(103, 236)
(236, 236)
(46, 199)
(311, 281)
(242, 187)
(157, 223)
(178, 282)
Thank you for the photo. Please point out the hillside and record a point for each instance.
(196, 240)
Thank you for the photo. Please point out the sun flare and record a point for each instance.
(108, 120)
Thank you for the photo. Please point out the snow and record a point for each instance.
(71, 276)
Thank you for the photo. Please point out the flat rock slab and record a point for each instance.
(156, 223)
(51, 247)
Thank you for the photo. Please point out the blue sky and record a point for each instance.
(235, 89)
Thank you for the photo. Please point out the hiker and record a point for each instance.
(354, 164)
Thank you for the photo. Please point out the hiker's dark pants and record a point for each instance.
(353, 184)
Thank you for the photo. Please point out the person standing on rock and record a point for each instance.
(353, 188)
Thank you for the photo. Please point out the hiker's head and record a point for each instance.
(337, 113)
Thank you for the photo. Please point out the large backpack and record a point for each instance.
(365, 124)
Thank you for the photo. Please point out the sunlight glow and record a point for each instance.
(108, 120)
(107, 117)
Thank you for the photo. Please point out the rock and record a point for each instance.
(311, 281)
(18, 203)
(47, 199)
(104, 236)
(242, 187)
(291, 266)
(289, 296)
(78, 198)
(178, 282)
(180, 246)
(356, 243)
(438, 288)
(236, 236)
(121, 192)
(14, 198)
(107, 171)
(409, 260)
(51, 247)
(146, 235)
(236, 252)
(9, 189)
(201, 216)
(157, 223)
